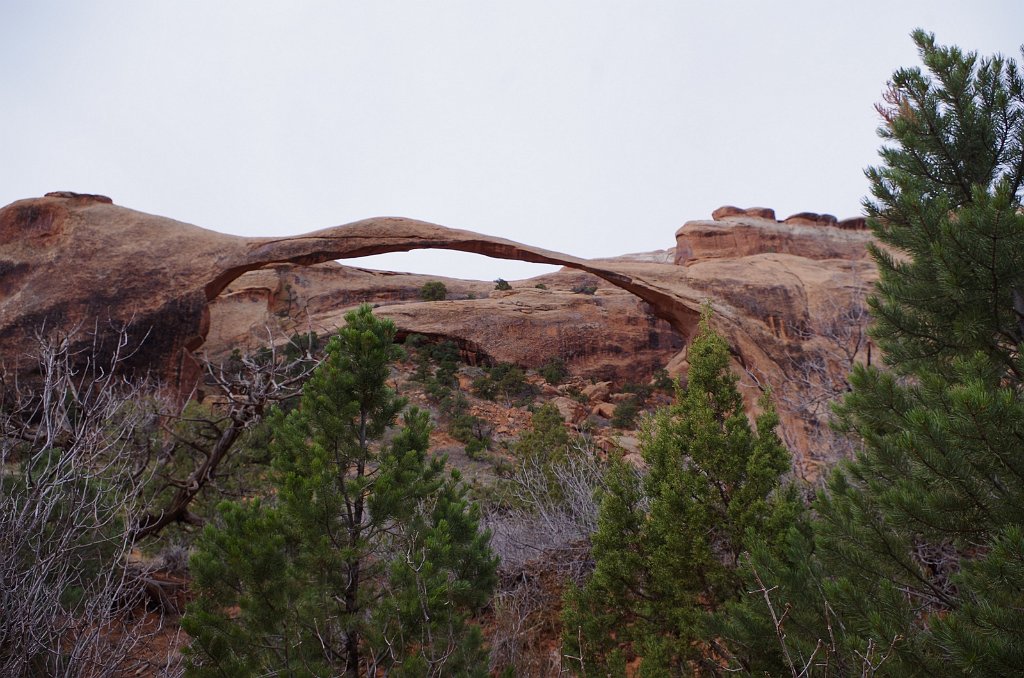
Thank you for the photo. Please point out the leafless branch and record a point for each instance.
(74, 449)
(542, 534)
(244, 390)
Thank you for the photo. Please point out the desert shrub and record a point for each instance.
(626, 412)
(547, 437)
(436, 365)
(553, 371)
(641, 391)
(585, 288)
(74, 447)
(471, 431)
(475, 448)
(433, 291)
(414, 340)
(541, 520)
(662, 381)
(506, 381)
(502, 284)
(576, 394)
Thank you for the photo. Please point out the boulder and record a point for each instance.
(729, 211)
(811, 219)
(599, 391)
(760, 213)
(726, 211)
(572, 412)
(853, 224)
(629, 443)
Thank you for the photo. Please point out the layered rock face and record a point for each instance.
(610, 334)
(77, 260)
(782, 293)
(736, 233)
(805, 281)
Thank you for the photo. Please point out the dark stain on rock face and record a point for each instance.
(11, 274)
(38, 222)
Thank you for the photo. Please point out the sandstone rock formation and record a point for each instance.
(71, 260)
(739, 236)
(806, 281)
(727, 211)
(777, 289)
(811, 219)
(853, 224)
(608, 335)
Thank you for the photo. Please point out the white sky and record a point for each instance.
(594, 128)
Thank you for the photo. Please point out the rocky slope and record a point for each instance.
(785, 294)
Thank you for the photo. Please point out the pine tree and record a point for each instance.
(668, 542)
(369, 558)
(917, 549)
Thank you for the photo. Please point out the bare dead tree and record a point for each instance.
(199, 441)
(541, 531)
(73, 449)
(548, 507)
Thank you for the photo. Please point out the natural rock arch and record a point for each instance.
(79, 259)
(69, 260)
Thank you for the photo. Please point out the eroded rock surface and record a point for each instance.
(610, 334)
(79, 261)
(742, 235)
(68, 260)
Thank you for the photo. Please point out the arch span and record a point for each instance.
(657, 284)
(81, 260)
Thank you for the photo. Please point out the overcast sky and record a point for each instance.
(594, 128)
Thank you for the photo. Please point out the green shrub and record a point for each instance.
(546, 439)
(502, 284)
(585, 288)
(662, 381)
(474, 448)
(505, 380)
(436, 364)
(626, 412)
(641, 391)
(433, 291)
(576, 394)
(471, 431)
(553, 371)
